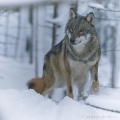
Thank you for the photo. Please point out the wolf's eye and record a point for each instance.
(82, 30)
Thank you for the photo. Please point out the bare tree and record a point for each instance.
(113, 57)
(31, 38)
(36, 44)
(54, 25)
(7, 30)
(18, 33)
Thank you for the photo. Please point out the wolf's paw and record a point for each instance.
(95, 87)
(70, 95)
(82, 96)
(79, 98)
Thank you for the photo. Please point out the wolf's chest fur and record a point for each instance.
(80, 70)
(80, 63)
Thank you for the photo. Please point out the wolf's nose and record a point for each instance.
(72, 40)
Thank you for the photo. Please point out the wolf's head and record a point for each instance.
(80, 29)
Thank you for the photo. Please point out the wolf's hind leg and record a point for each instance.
(94, 76)
(69, 91)
(50, 93)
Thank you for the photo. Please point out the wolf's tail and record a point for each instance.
(37, 84)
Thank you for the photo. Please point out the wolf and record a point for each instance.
(69, 62)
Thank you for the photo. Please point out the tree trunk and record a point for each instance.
(31, 38)
(6, 34)
(18, 34)
(36, 44)
(113, 58)
(54, 26)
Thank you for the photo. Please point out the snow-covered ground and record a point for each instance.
(107, 98)
(18, 103)
(28, 105)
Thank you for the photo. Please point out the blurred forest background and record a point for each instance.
(29, 30)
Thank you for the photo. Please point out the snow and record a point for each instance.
(14, 75)
(108, 99)
(96, 5)
(64, 19)
(14, 3)
(104, 72)
(55, 21)
(82, 6)
(27, 104)
(118, 80)
(7, 3)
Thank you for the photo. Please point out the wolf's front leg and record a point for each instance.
(82, 93)
(69, 88)
(94, 76)
(68, 80)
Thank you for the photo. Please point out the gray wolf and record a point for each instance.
(69, 62)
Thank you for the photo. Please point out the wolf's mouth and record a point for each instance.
(75, 43)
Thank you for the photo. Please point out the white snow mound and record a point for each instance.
(28, 105)
(108, 99)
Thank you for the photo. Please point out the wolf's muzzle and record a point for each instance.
(72, 41)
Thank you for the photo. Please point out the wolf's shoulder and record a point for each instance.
(56, 50)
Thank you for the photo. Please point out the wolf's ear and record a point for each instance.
(72, 13)
(90, 18)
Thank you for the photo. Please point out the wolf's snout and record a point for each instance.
(72, 41)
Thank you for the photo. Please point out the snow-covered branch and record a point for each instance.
(100, 7)
(96, 5)
(17, 3)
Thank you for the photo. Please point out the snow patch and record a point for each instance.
(96, 5)
(82, 6)
(104, 72)
(108, 99)
(28, 105)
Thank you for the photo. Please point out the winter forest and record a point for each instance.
(28, 30)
